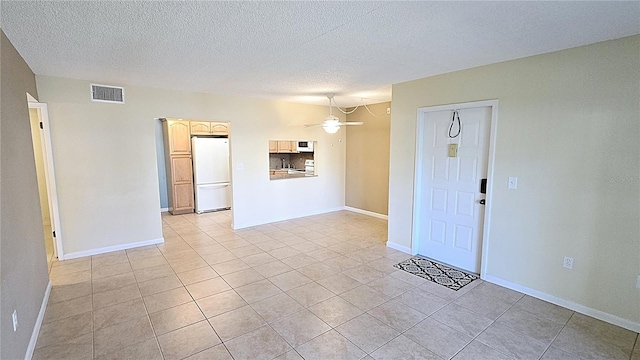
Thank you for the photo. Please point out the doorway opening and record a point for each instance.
(194, 163)
(455, 150)
(42, 150)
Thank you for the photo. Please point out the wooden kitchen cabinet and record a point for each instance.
(179, 137)
(209, 128)
(285, 146)
(177, 152)
(273, 146)
(219, 128)
(181, 170)
(182, 184)
(200, 127)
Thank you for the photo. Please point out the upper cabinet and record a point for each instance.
(273, 146)
(219, 128)
(285, 146)
(200, 127)
(179, 137)
(209, 128)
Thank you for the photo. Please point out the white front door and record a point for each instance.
(450, 223)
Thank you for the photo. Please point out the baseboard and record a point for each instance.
(243, 226)
(600, 315)
(395, 246)
(36, 327)
(107, 249)
(164, 209)
(365, 212)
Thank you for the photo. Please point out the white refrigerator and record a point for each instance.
(211, 173)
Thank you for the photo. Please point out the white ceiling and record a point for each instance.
(296, 51)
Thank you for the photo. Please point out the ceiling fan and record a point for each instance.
(331, 123)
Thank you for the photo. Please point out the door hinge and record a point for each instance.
(41, 127)
(54, 234)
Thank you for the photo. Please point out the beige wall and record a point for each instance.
(367, 167)
(106, 168)
(568, 128)
(23, 266)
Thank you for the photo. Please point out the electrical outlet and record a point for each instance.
(568, 262)
(14, 316)
(388, 111)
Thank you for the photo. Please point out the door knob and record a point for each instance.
(482, 201)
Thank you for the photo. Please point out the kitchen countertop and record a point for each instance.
(277, 174)
(286, 169)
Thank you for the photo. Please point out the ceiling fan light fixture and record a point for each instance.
(331, 128)
(331, 124)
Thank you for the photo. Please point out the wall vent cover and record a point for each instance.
(104, 93)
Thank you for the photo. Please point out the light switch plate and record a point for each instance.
(513, 182)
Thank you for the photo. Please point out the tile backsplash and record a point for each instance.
(296, 160)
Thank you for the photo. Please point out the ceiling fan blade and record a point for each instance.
(313, 125)
(351, 123)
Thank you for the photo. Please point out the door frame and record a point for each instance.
(50, 175)
(417, 181)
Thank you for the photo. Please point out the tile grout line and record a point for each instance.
(324, 246)
(207, 319)
(193, 299)
(155, 335)
(198, 305)
(556, 336)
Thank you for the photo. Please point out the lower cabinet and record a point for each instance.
(182, 200)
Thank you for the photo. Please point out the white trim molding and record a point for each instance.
(107, 249)
(395, 246)
(36, 327)
(50, 175)
(297, 216)
(598, 314)
(164, 209)
(366, 212)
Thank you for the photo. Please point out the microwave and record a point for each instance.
(305, 146)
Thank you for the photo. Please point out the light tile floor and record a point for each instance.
(321, 287)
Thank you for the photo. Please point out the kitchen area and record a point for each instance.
(290, 159)
(197, 165)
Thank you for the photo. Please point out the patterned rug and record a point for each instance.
(440, 274)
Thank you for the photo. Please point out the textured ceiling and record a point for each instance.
(296, 51)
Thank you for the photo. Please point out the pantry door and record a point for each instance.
(452, 208)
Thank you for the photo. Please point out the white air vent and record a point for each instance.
(110, 94)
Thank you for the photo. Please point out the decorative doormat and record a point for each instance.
(440, 274)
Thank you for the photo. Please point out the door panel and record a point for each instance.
(179, 138)
(183, 198)
(181, 169)
(211, 160)
(450, 227)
